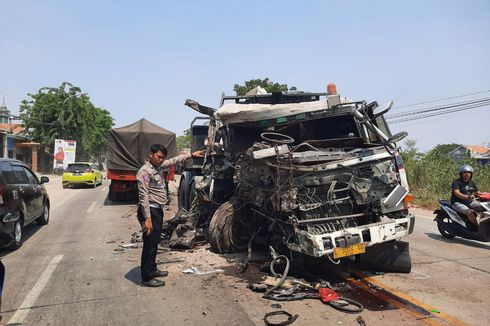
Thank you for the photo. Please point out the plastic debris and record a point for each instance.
(258, 287)
(129, 245)
(195, 270)
(137, 236)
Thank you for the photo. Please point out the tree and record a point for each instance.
(441, 150)
(66, 113)
(184, 141)
(410, 151)
(268, 85)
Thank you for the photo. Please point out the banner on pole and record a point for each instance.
(64, 153)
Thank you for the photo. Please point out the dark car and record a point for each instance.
(23, 199)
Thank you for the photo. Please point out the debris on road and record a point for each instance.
(195, 270)
(137, 236)
(361, 321)
(290, 318)
(284, 288)
(129, 245)
(257, 287)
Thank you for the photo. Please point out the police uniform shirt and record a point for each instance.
(152, 189)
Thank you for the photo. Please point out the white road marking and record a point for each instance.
(91, 206)
(104, 189)
(31, 298)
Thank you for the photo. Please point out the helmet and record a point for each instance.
(465, 168)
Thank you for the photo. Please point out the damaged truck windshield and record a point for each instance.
(310, 173)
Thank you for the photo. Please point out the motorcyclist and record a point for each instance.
(464, 191)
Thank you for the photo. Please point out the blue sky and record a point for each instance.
(143, 59)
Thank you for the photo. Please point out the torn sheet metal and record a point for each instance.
(238, 113)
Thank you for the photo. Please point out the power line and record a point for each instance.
(441, 99)
(439, 108)
(14, 93)
(433, 114)
(5, 93)
(440, 113)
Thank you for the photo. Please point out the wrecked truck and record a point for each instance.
(308, 173)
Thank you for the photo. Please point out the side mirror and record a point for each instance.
(44, 179)
(382, 109)
(397, 137)
(200, 108)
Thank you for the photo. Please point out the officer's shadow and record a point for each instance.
(134, 275)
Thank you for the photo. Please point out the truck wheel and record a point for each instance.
(192, 194)
(181, 196)
(226, 232)
(186, 194)
(443, 219)
(112, 196)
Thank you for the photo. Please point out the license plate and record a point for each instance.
(77, 173)
(358, 248)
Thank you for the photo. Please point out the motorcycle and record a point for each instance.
(453, 224)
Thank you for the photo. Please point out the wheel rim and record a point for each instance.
(446, 232)
(443, 231)
(46, 213)
(18, 231)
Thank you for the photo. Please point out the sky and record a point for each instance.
(143, 59)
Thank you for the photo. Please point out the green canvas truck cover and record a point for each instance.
(129, 146)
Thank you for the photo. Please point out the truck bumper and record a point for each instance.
(319, 245)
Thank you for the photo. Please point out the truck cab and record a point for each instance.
(312, 173)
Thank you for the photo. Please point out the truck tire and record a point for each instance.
(181, 198)
(186, 194)
(224, 229)
(112, 196)
(192, 194)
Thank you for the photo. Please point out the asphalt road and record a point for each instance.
(69, 273)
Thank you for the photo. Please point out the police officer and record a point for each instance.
(152, 191)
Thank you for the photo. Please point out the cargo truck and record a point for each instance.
(128, 148)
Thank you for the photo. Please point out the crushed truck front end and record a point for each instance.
(318, 177)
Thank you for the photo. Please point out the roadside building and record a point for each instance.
(14, 144)
(480, 153)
